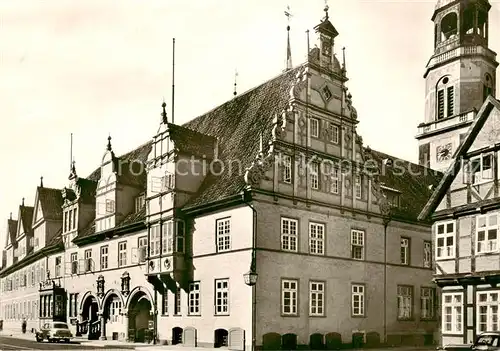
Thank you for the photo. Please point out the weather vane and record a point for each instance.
(326, 8)
(288, 14)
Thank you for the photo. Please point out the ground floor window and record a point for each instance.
(487, 311)
(452, 313)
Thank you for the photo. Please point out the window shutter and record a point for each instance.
(450, 99)
(440, 104)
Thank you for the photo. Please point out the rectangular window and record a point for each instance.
(167, 237)
(358, 300)
(314, 124)
(194, 299)
(65, 221)
(122, 254)
(104, 257)
(139, 202)
(427, 254)
(287, 169)
(222, 297)
(155, 240)
(334, 181)
(164, 305)
(445, 240)
(74, 263)
(316, 299)
(405, 302)
(487, 307)
(314, 175)
(58, 266)
(143, 248)
(88, 260)
(481, 168)
(334, 133)
(357, 244)
(358, 186)
(316, 238)
(179, 242)
(487, 233)
(177, 302)
(452, 313)
(223, 234)
(70, 219)
(289, 234)
(427, 303)
(405, 251)
(289, 297)
(450, 102)
(74, 218)
(110, 206)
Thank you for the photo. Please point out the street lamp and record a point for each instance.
(251, 276)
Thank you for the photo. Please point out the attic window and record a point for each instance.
(327, 93)
(139, 202)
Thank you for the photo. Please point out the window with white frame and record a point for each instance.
(487, 233)
(316, 238)
(74, 262)
(110, 206)
(104, 257)
(405, 302)
(58, 266)
(289, 297)
(139, 202)
(452, 313)
(358, 186)
(487, 307)
(333, 130)
(155, 240)
(405, 250)
(427, 303)
(177, 302)
(445, 240)
(115, 309)
(168, 237)
(357, 244)
(287, 169)
(427, 254)
(289, 234)
(223, 234)
(314, 124)
(481, 168)
(222, 296)
(316, 298)
(164, 305)
(142, 244)
(194, 299)
(122, 254)
(88, 260)
(314, 175)
(334, 181)
(179, 240)
(358, 300)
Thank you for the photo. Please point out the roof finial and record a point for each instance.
(343, 61)
(73, 168)
(108, 147)
(288, 14)
(41, 182)
(22, 203)
(11, 215)
(164, 118)
(326, 10)
(235, 82)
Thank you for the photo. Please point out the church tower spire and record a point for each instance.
(459, 76)
(288, 47)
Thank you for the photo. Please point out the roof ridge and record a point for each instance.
(245, 93)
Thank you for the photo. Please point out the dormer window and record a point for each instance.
(327, 93)
(110, 206)
(167, 181)
(139, 202)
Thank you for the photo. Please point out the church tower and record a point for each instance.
(459, 76)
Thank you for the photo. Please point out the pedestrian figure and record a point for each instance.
(24, 326)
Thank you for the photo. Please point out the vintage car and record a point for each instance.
(484, 341)
(54, 331)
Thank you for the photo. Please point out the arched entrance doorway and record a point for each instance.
(90, 324)
(139, 317)
(111, 309)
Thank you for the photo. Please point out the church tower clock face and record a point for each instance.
(443, 152)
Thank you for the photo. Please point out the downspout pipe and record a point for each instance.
(387, 220)
(247, 198)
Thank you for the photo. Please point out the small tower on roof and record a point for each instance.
(327, 34)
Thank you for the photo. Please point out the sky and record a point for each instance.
(103, 67)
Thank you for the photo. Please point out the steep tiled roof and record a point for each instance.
(412, 180)
(238, 124)
(51, 202)
(12, 231)
(26, 216)
(190, 141)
